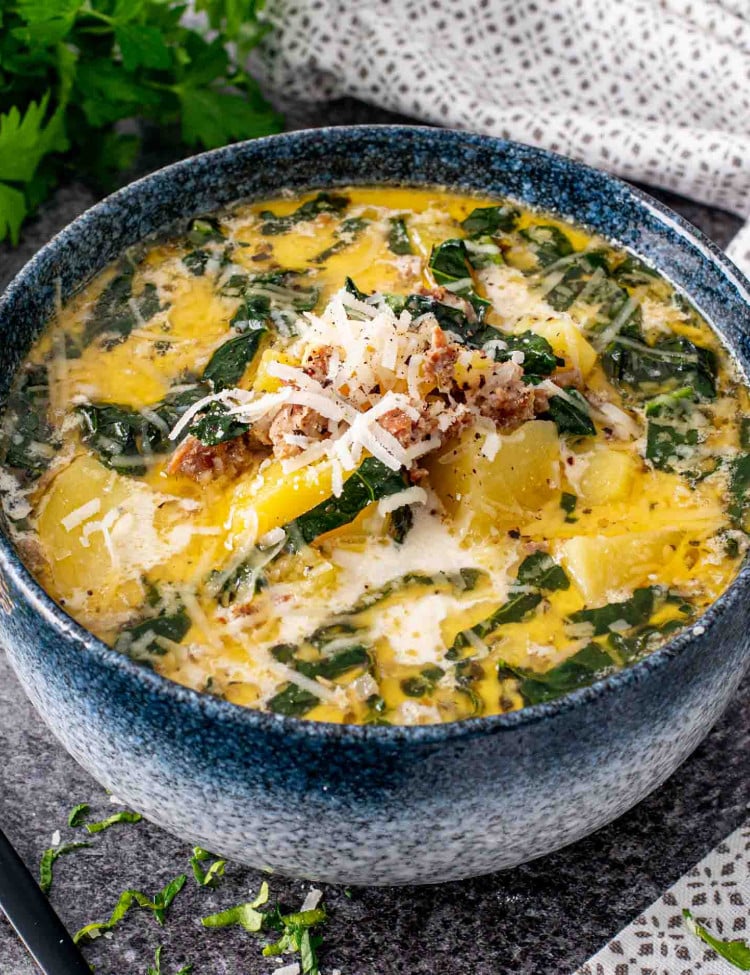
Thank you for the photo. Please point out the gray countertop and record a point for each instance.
(540, 919)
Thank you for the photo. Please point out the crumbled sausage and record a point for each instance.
(294, 420)
(203, 463)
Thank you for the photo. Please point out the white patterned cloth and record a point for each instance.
(716, 892)
(657, 91)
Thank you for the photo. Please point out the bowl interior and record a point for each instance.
(361, 155)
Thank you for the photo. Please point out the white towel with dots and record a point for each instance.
(656, 91)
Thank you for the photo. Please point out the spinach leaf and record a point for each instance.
(583, 668)
(195, 261)
(217, 425)
(335, 665)
(736, 952)
(347, 232)
(402, 521)
(634, 611)
(371, 482)
(539, 358)
(205, 230)
(117, 311)
(465, 580)
(568, 503)
(539, 569)
(448, 262)
(673, 436)
(354, 291)
(170, 411)
(517, 608)
(547, 242)
(31, 440)
(398, 237)
(323, 203)
(246, 579)
(274, 296)
(570, 411)
(583, 276)
(488, 220)
(474, 334)
(424, 683)
(112, 432)
(293, 701)
(739, 490)
(661, 367)
(229, 362)
(141, 639)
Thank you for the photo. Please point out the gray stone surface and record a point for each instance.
(541, 919)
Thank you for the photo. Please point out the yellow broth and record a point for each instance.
(500, 560)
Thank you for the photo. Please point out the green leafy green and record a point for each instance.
(424, 683)
(570, 411)
(488, 220)
(448, 262)
(73, 71)
(272, 299)
(120, 817)
(472, 333)
(113, 432)
(142, 639)
(398, 237)
(246, 915)
(228, 363)
(672, 436)
(402, 521)
(465, 580)
(547, 242)
(158, 907)
(581, 669)
(206, 878)
(48, 858)
(584, 277)
(78, 814)
(482, 252)
(662, 367)
(636, 610)
(539, 569)
(216, 425)
(568, 503)
(370, 482)
(31, 440)
(539, 358)
(293, 701)
(157, 969)
(245, 579)
(117, 310)
(518, 607)
(323, 203)
(739, 490)
(737, 952)
(633, 272)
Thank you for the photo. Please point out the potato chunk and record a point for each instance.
(607, 475)
(601, 565)
(522, 476)
(567, 341)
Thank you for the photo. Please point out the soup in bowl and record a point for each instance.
(386, 525)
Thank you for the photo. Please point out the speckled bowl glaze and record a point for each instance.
(372, 805)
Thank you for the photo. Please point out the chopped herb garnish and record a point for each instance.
(737, 952)
(206, 878)
(78, 814)
(158, 906)
(48, 858)
(246, 915)
(120, 817)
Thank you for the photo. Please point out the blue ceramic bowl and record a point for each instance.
(372, 805)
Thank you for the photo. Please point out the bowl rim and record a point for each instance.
(253, 720)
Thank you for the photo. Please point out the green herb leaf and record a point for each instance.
(448, 262)
(246, 915)
(229, 362)
(737, 953)
(570, 411)
(78, 814)
(48, 858)
(488, 220)
(662, 367)
(142, 639)
(670, 439)
(581, 669)
(158, 907)
(347, 232)
(293, 701)
(539, 358)
(540, 570)
(547, 242)
(519, 607)
(370, 482)
(120, 817)
(398, 237)
(634, 611)
(206, 878)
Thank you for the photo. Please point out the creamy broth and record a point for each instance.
(384, 455)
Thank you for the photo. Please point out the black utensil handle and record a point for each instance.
(34, 918)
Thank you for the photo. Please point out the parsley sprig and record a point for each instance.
(71, 71)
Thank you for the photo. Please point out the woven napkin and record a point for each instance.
(656, 91)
